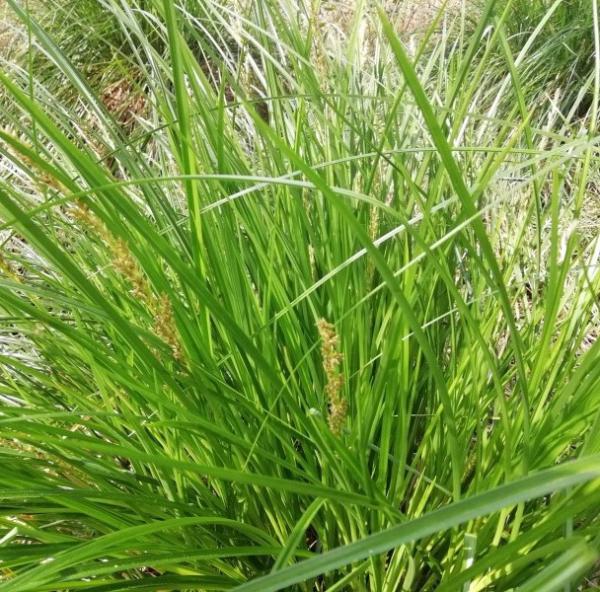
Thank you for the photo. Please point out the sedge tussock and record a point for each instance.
(188, 187)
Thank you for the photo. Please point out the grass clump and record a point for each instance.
(557, 41)
(286, 316)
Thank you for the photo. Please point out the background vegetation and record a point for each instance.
(295, 297)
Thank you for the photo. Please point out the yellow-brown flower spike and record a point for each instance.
(82, 213)
(127, 266)
(165, 326)
(332, 361)
(373, 234)
(122, 259)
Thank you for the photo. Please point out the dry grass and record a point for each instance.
(6, 30)
(410, 16)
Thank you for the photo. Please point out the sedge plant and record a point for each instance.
(293, 307)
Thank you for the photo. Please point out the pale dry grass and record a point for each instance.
(7, 30)
(354, 23)
(412, 17)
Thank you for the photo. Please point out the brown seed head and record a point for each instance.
(128, 267)
(159, 306)
(165, 326)
(332, 361)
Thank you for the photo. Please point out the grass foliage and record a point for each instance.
(288, 306)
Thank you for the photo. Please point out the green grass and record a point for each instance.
(281, 312)
(559, 59)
